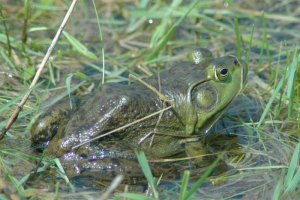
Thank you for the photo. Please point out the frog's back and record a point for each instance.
(177, 80)
(113, 106)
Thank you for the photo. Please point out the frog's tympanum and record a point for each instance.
(198, 93)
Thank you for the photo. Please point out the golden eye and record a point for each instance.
(221, 73)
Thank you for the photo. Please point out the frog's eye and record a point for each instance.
(221, 73)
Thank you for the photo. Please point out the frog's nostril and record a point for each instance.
(235, 62)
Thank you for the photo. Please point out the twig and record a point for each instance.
(152, 132)
(155, 128)
(144, 70)
(158, 120)
(153, 89)
(101, 39)
(15, 114)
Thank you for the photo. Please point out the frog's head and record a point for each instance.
(211, 96)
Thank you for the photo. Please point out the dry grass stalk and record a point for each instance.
(20, 105)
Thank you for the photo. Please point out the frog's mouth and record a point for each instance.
(213, 120)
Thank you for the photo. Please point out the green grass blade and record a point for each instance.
(51, 73)
(82, 76)
(160, 30)
(279, 188)
(28, 73)
(8, 60)
(265, 43)
(184, 184)
(269, 104)
(237, 38)
(248, 55)
(201, 180)
(147, 171)
(9, 103)
(63, 173)
(134, 196)
(78, 46)
(68, 85)
(291, 81)
(43, 6)
(101, 39)
(166, 37)
(27, 15)
(3, 197)
(135, 22)
(2, 18)
(294, 183)
(61, 169)
(247, 38)
(292, 167)
(266, 40)
(10, 177)
(98, 21)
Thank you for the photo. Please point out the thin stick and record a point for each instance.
(158, 120)
(15, 114)
(152, 132)
(101, 39)
(165, 160)
(160, 115)
(122, 127)
(153, 89)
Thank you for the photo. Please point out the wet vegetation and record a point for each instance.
(105, 41)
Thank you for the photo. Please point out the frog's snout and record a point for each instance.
(244, 68)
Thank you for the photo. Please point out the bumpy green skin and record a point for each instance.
(115, 105)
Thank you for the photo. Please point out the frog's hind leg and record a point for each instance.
(103, 161)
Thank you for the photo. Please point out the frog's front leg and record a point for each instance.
(56, 116)
(188, 115)
(197, 151)
(203, 155)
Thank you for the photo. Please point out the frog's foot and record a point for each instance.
(198, 153)
(105, 160)
(102, 162)
(105, 169)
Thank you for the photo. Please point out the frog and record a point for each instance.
(166, 115)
